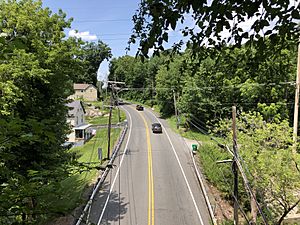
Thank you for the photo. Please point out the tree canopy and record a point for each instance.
(275, 20)
(38, 66)
(92, 54)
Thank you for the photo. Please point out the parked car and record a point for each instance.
(156, 128)
(139, 107)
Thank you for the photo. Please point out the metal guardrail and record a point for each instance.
(103, 175)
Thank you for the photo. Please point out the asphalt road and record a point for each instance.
(153, 180)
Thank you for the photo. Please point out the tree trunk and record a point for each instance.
(286, 211)
(253, 203)
(253, 208)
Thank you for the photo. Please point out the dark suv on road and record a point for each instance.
(139, 107)
(156, 128)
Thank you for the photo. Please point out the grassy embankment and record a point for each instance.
(101, 120)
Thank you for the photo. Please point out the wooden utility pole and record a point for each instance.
(176, 112)
(296, 107)
(235, 169)
(109, 125)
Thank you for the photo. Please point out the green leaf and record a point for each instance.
(296, 14)
(165, 37)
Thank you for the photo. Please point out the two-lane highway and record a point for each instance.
(152, 182)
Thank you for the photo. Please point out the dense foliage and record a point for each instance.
(208, 85)
(215, 23)
(265, 151)
(92, 55)
(38, 65)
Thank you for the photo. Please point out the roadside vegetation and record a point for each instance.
(38, 66)
(73, 190)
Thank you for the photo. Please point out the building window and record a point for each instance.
(81, 118)
(81, 90)
(79, 134)
(91, 90)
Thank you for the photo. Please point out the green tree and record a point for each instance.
(266, 148)
(276, 20)
(92, 54)
(36, 76)
(139, 76)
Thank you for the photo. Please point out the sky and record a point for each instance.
(106, 20)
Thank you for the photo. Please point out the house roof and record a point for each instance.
(82, 127)
(82, 86)
(73, 106)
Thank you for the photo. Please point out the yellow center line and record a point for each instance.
(150, 175)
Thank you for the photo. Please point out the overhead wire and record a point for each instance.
(291, 83)
(101, 20)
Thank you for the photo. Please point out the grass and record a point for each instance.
(102, 120)
(189, 134)
(70, 194)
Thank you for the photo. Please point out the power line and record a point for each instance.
(292, 83)
(101, 21)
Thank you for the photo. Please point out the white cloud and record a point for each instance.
(85, 35)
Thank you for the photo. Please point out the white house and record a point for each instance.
(81, 131)
(87, 92)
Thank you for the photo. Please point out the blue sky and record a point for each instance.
(107, 20)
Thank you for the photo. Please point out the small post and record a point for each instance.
(235, 171)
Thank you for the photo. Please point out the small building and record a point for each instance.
(81, 131)
(87, 92)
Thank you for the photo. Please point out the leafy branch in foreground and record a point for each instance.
(276, 20)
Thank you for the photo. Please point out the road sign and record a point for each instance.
(194, 147)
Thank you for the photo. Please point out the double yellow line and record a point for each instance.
(150, 177)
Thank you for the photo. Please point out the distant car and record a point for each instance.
(156, 128)
(139, 107)
(67, 145)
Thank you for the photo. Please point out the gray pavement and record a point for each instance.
(177, 196)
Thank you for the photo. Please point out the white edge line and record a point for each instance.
(204, 192)
(182, 171)
(113, 183)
